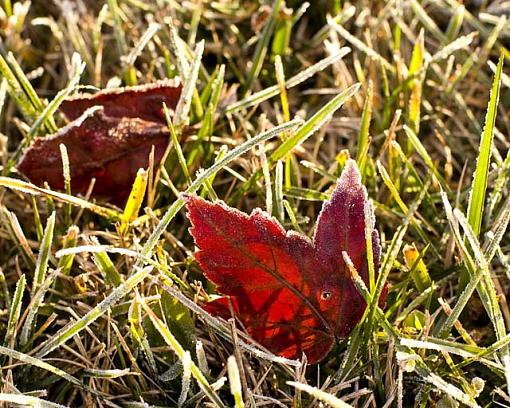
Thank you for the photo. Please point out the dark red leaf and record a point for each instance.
(293, 295)
(109, 149)
(341, 227)
(143, 101)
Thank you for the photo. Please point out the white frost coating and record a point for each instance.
(506, 363)
(26, 400)
(451, 390)
(458, 44)
(184, 103)
(407, 361)
(234, 377)
(186, 378)
(432, 346)
(321, 395)
(291, 82)
(96, 248)
(201, 358)
(219, 384)
(73, 328)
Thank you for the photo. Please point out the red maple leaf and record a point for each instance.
(292, 294)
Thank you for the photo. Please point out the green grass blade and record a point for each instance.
(302, 134)
(26, 359)
(356, 42)
(479, 186)
(14, 313)
(41, 266)
(37, 103)
(66, 262)
(313, 124)
(181, 116)
(261, 49)
(106, 267)
(323, 396)
(48, 111)
(422, 151)
(28, 401)
(29, 188)
(176, 145)
(427, 22)
(364, 131)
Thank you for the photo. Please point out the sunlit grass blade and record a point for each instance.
(455, 23)
(41, 266)
(387, 262)
(29, 188)
(130, 59)
(437, 382)
(414, 262)
(491, 245)
(479, 185)
(14, 229)
(302, 76)
(106, 266)
(138, 333)
(313, 124)
(427, 22)
(478, 189)
(39, 284)
(356, 42)
(65, 263)
(16, 91)
(323, 396)
(207, 126)
(28, 401)
(302, 134)
(26, 359)
(47, 113)
(490, 297)
(422, 151)
(235, 382)
(176, 145)
(135, 200)
(37, 103)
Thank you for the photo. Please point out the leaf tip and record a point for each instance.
(350, 174)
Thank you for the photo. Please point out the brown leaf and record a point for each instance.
(142, 101)
(109, 149)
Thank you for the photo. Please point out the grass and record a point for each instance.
(101, 306)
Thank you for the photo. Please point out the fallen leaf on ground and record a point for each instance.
(109, 149)
(141, 101)
(292, 294)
